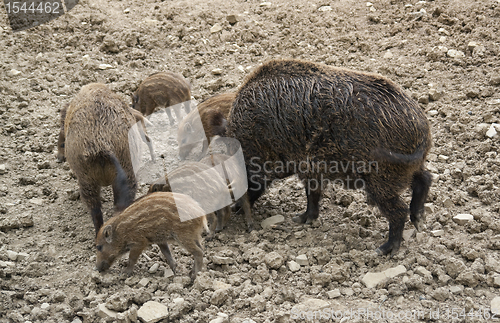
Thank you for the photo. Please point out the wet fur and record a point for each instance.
(162, 90)
(291, 110)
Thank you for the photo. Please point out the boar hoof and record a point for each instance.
(386, 248)
(419, 225)
(250, 228)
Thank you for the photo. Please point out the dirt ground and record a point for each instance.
(443, 52)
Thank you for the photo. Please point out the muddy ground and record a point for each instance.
(443, 53)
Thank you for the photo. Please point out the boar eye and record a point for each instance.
(99, 248)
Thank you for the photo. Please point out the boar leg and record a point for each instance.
(165, 250)
(223, 216)
(187, 106)
(396, 212)
(312, 211)
(91, 196)
(194, 248)
(177, 111)
(135, 252)
(247, 211)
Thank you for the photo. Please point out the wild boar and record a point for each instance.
(153, 219)
(298, 117)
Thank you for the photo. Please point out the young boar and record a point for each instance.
(298, 117)
(62, 138)
(237, 177)
(204, 184)
(96, 129)
(153, 218)
(213, 114)
(164, 90)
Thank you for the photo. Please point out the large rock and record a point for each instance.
(152, 312)
(269, 222)
(273, 260)
(374, 279)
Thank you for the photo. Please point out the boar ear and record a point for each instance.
(108, 233)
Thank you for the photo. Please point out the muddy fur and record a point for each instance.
(213, 113)
(96, 129)
(163, 90)
(61, 141)
(217, 159)
(152, 219)
(185, 178)
(293, 111)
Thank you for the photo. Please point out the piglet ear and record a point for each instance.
(108, 233)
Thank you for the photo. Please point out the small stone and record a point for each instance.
(293, 266)
(407, 234)
(422, 271)
(302, 260)
(424, 99)
(456, 289)
(105, 66)
(325, 8)
(152, 312)
(462, 219)
(219, 297)
(168, 273)
(374, 279)
(154, 268)
(443, 158)
(420, 237)
(273, 260)
(220, 285)
(14, 72)
(333, 293)
(105, 313)
(447, 203)
(433, 113)
(12, 255)
(44, 306)
(2, 169)
(265, 4)
(216, 28)
(241, 68)
(437, 233)
(22, 256)
(495, 80)
(127, 10)
(273, 220)
(453, 53)
(143, 282)
(443, 31)
(388, 54)
(435, 94)
(217, 71)
(492, 132)
(429, 208)
(472, 44)
(222, 260)
(232, 19)
(369, 4)
(440, 294)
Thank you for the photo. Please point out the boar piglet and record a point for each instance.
(333, 125)
(237, 178)
(153, 219)
(163, 90)
(204, 184)
(209, 117)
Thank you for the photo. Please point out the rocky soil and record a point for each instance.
(443, 52)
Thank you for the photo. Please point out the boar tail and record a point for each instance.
(381, 154)
(120, 183)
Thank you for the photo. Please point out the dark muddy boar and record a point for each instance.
(237, 177)
(61, 157)
(163, 90)
(297, 117)
(204, 184)
(213, 114)
(96, 132)
(153, 219)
